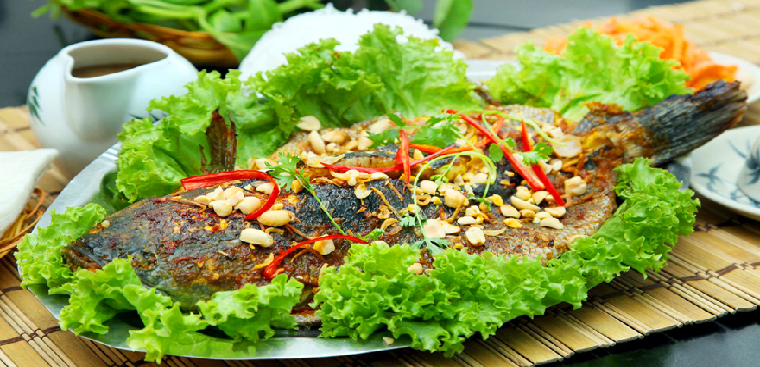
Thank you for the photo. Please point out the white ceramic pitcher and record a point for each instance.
(81, 116)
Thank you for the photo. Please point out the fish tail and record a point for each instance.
(675, 126)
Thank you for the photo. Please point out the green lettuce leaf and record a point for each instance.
(592, 69)
(246, 315)
(251, 312)
(468, 294)
(39, 254)
(154, 157)
(339, 88)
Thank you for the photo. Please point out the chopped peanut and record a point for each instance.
(512, 222)
(575, 186)
(523, 205)
(454, 199)
(235, 199)
(476, 236)
(379, 126)
(496, 199)
(415, 268)
(221, 208)
(256, 237)
(467, 220)
(203, 199)
(523, 193)
(364, 141)
(216, 194)
(248, 205)
(434, 228)
(539, 196)
(334, 136)
(230, 192)
(296, 186)
(275, 218)
(266, 188)
(543, 215)
(324, 247)
(480, 178)
(317, 144)
(509, 211)
(309, 123)
(361, 191)
(428, 187)
(551, 222)
(556, 211)
(449, 228)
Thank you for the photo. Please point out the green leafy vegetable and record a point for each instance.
(246, 314)
(251, 312)
(451, 17)
(592, 69)
(437, 131)
(339, 88)
(39, 255)
(539, 153)
(467, 294)
(237, 24)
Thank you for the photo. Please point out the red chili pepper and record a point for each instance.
(499, 125)
(405, 160)
(525, 138)
(537, 169)
(270, 269)
(195, 182)
(430, 149)
(450, 150)
(450, 111)
(519, 167)
(402, 155)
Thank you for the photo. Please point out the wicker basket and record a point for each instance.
(198, 47)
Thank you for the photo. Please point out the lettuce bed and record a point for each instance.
(373, 290)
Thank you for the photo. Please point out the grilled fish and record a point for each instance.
(188, 252)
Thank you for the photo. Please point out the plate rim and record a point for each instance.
(710, 194)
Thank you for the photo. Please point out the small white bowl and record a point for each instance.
(717, 166)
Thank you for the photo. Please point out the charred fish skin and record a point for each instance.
(673, 127)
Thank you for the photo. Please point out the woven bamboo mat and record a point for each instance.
(712, 273)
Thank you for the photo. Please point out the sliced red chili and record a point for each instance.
(271, 269)
(519, 166)
(430, 149)
(450, 150)
(537, 169)
(402, 155)
(195, 182)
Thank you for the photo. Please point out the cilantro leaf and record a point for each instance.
(495, 153)
(539, 153)
(437, 132)
(284, 173)
(386, 137)
(407, 221)
(374, 235)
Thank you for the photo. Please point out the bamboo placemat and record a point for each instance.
(711, 273)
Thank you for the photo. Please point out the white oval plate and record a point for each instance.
(748, 73)
(716, 167)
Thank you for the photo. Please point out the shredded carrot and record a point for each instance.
(694, 60)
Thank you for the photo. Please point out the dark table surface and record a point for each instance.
(26, 44)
